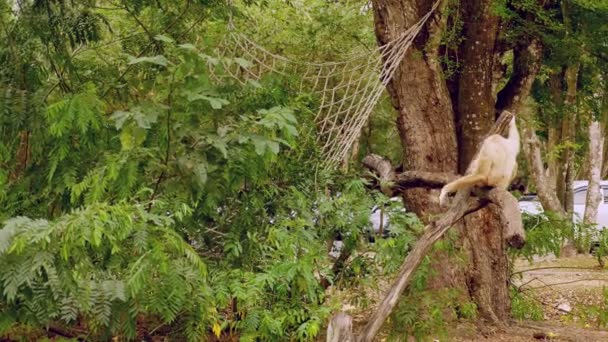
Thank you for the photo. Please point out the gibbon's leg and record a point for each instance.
(505, 181)
(460, 183)
(514, 173)
(479, 169)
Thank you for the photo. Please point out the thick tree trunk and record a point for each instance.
(488, 273)
(419, 95)
(425, 116)
(605, 157)
(475, 98)
(594, 196)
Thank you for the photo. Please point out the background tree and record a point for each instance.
(568, 98)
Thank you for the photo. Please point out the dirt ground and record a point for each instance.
(563, 288)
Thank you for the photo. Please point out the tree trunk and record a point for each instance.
(425, 119)
(605, 157)
(544, 187)
(22, 156)
(475, 98)
(568, 135)
(487, 275)
(425, 116)
(594, 196)
(554, 137)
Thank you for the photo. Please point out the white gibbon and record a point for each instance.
(495, 165)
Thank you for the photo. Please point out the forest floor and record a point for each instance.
(569, 293)
(566, 293)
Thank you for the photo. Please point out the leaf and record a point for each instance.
(215, 102)
(211, 60)
(274, 146)
(126, 140)
(163, 38)
(243, 62)
(132, 136)
(200, 171)
(288, 115)
(223, 130)
(158, 60)
(259, 144)
(217, 329)
(187, 46)
(220, 145)
(120, 117)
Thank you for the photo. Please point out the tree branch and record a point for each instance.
(526, 64)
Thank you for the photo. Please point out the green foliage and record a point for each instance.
(425, 313)
(545, 233)
(157, 198)
(105, 265)
(596, 314)
(524, 307)
(422, 312)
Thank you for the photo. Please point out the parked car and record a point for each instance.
(375, 218)
(531, 204)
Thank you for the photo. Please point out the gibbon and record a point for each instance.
(495, 165)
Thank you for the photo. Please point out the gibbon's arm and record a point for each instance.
(495, 165)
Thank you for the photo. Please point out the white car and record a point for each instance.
(531, 205)
(375, 218)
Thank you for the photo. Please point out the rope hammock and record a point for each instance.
(347, 90)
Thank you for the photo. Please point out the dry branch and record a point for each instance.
(432, 233)
(391, 181)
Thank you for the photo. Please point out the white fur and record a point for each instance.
(494, 165)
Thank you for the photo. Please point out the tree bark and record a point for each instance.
(487, 275)
(475, 98)
(532, 151)
(569, 135)
(605, 157)
(425, 119)
(594, 196)
(526, 64)
(425, 115)
(22, 156)
(554, 136)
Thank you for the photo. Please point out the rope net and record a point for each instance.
(347, 90)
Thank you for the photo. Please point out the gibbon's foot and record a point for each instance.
(445, 198)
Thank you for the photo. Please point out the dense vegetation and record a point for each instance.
(143, 194)
(139, 194)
